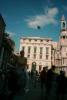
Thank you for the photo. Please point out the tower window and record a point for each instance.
(63, 24)
(63, 37)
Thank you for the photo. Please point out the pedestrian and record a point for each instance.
(43, 77)
(22, 64)
(27, 79)
(35, 78)
(32, 74)
(49, 80)
(61, 85)
(22, 61)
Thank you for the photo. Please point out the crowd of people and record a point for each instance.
(49, 80)
(17, 80)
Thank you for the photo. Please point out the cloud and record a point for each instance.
(49, 17)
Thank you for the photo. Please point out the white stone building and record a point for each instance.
(45, 52)
(61, 50)
(37, 50)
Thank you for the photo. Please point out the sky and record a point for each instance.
(23, 16)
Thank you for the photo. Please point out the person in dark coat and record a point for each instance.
(49, 80)
(43, 77)
(61, 85)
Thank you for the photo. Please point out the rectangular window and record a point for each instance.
(41, 50)
(47, 57)
(47, 50)
(29, 48)
(35, 48)
(34, 56)
(40, 56)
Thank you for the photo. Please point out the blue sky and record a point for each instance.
(23, 16)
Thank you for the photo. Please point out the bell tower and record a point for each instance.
(63, 42)
(63, 33)
(63, 23)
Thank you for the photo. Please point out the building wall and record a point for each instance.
(61, 50)
(57, 50)
(37, 42)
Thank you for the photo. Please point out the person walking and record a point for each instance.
(61, 86)
(49, 80)
(43, 77)
(27, 80)
(22, 63)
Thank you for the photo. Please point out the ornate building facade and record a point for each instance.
(45, 52)
(61, 50)
(38, 51)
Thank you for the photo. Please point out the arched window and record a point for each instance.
(63, 25)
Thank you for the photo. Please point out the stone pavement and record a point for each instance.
(36, 93)
(33, 94)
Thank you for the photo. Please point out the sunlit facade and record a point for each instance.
(45, 52)
(61, 51)
(37, 50)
